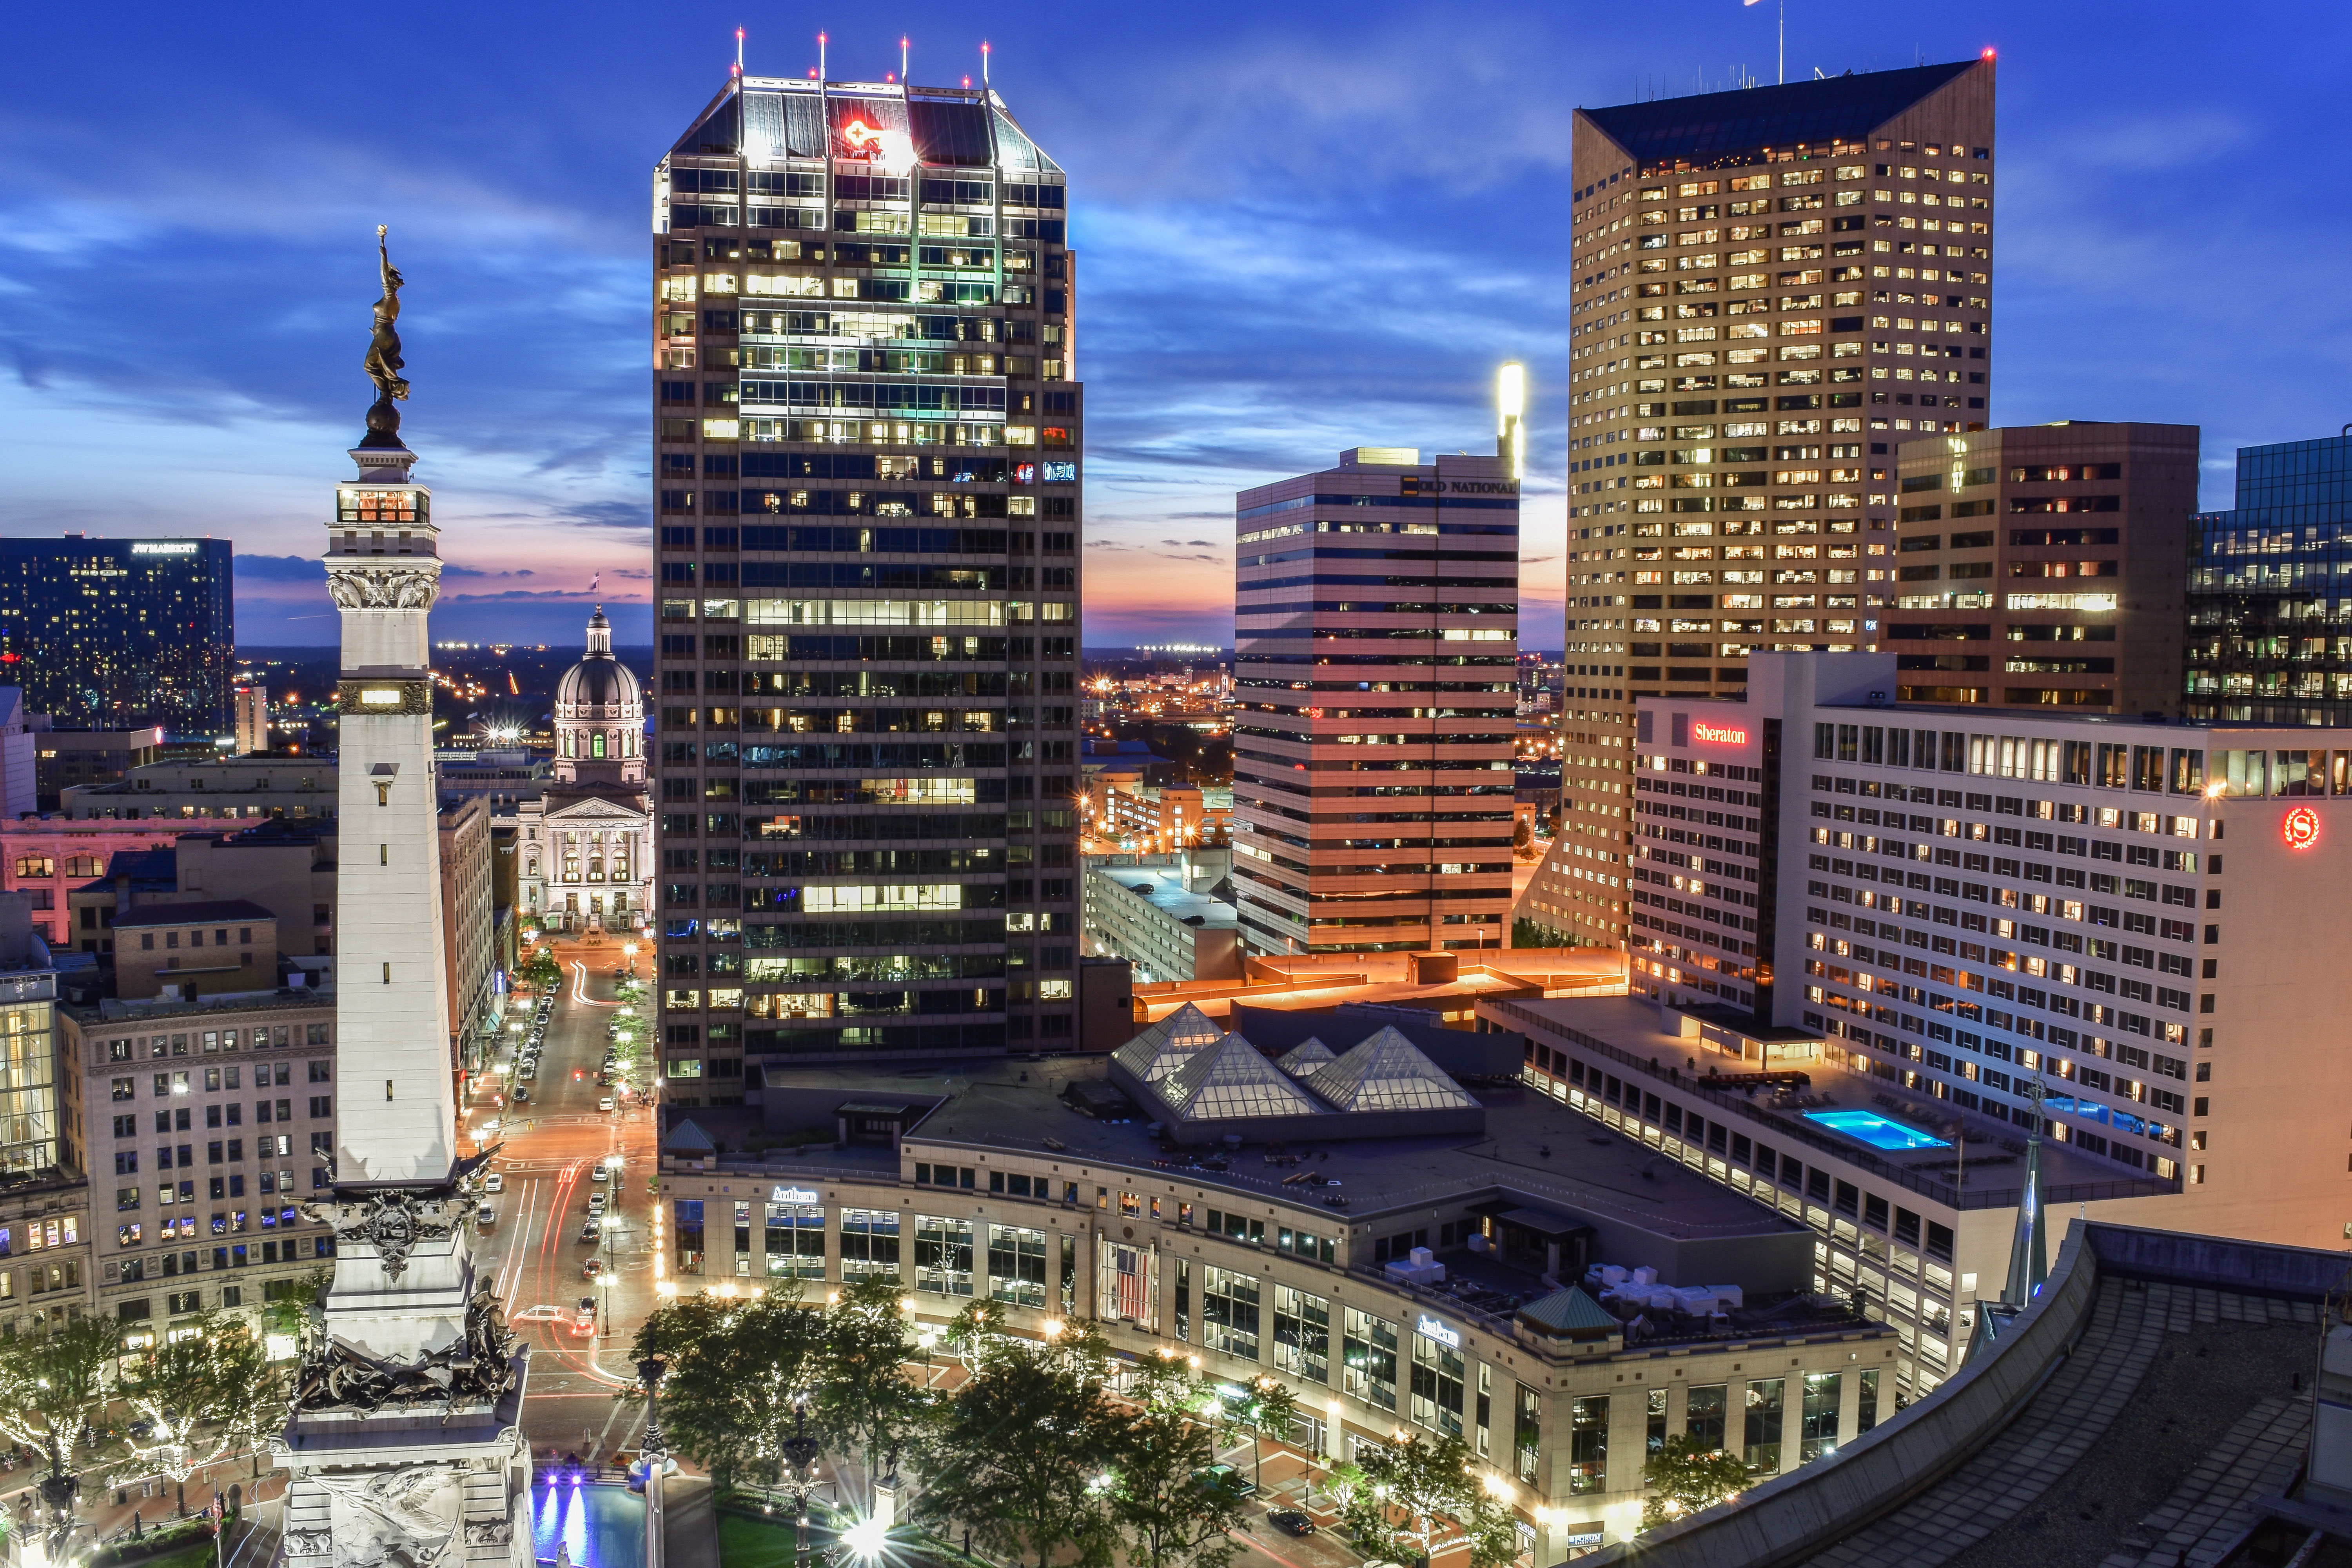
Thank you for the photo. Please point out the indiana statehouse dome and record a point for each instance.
(600, 711)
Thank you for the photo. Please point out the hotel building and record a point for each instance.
(1997, 531)
(1771, 288)
(110, 634)
(1375, 686)
(868, 434)
(1933, 913)
(2267, 622)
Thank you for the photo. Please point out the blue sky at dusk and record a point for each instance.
(1300, 227)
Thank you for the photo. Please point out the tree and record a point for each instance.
(1431, 1484)
(1173, 1514)
(53, 1387)
(737, 1372)
(538, 969)
(865, 1394)
(291, 1313)
(1683, 1478)
(199, 1397)
(1018, 1456)
(1523, 838)
(1266, 1408)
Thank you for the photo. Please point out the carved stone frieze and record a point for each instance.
(411, 587)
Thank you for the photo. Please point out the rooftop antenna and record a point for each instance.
(820, 58)
(902, 59)
(984, 62)
(739, 51)
(1784, 36)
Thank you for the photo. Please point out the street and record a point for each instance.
(532, 1254)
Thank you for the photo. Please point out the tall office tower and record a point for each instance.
(111, 634)
(2266, 610)
(869, 483)
(1375, 680)
(1771, 288)
(1996, 532)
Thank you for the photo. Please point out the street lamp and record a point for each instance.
(802, 1452)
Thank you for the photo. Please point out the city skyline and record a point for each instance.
(1213, 368)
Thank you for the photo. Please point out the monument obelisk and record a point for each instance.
(404, 1446)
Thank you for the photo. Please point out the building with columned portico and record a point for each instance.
(584, 843)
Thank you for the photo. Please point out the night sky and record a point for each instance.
(1300, 227)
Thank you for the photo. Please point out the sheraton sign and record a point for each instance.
(1716, 734)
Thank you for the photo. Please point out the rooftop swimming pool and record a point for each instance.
(594, 1526)
(1878, 1131)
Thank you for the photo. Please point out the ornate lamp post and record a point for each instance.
(649, 1447)
(801, 1454)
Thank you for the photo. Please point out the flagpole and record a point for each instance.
(1784, 43)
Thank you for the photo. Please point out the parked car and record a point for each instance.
(1225, 1478)
(600, 1175)
(1290, 1521)
(494, 1182)
(585, 1319)
(595, 1205)
(588, 1231)
(521, 1096)
(593, 1267)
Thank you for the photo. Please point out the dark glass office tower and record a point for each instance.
(866, 471)
(2270, 623)
(117, 633)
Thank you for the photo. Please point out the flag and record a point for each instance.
(214, 1510)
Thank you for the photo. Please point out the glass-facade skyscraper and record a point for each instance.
(117, 633)
(2270, 616)
(868, 479)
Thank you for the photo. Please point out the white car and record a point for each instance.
(494, 1182)
(600, 1175)
(605, 1103)
(595, 1204)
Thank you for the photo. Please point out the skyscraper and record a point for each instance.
(1375, 681)
(1771, 289)
(2040, 566)
(2266, 643)
(111, 634)
(867, 475)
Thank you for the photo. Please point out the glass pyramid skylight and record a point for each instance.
(1231, 1081)
(1169, 1044)
(1306, 1057)
(1387, 1072)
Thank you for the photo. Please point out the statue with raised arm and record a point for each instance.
(383, 363)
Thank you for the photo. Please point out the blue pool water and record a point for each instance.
(597, 1527)
(1878, 1131)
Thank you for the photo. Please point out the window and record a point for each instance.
(689, 1235)
(795, 1241)
(870, 1243)
(1762, 1446)
(1527, 1430)
(1368, 1352)
(1588, 1444)
(943, 1255)
(1302, 1334)
(1817, 1434)
(1437, 1385)
(1704, 1416)
(1229, 1306)
(1016, 1265)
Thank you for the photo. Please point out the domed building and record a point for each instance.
(585, 844)
(600, 715)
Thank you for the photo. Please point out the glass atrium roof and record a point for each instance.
(1306, 1057)
(1387, 1072)
(1168, 1045)
(1229, 1080)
